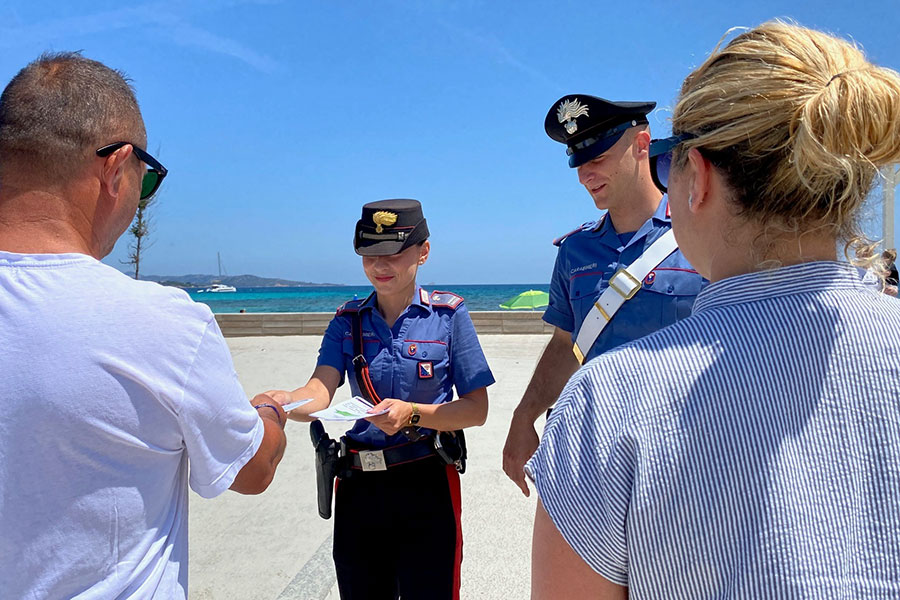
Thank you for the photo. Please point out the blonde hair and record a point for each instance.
(798, 122)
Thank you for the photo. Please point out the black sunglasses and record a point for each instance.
(155, 171)
(661, 158)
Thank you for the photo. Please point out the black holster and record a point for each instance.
(327, 466)
(450, 446)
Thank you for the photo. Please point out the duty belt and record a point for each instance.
(448, 446)
(381, 460)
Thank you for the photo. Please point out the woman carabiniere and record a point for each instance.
(397, 531)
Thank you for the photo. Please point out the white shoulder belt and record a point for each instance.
(623, 285)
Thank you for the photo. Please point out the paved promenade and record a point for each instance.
(275, 546)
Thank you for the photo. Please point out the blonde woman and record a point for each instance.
(751, 450)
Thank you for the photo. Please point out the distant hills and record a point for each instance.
(197, 280)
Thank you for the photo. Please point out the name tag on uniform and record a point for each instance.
(426, 370)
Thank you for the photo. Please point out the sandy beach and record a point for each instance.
(275, 546)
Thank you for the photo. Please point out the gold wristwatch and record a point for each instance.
(415, 416)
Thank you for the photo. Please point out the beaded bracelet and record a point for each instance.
(277, 415)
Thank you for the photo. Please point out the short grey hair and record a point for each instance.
(62, 107)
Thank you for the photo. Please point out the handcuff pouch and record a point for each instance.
(450, 446)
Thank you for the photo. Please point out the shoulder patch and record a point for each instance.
(350, 306)
(584, 227)
(446, 299)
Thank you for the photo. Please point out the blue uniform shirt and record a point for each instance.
(431, 348)
(589, 257)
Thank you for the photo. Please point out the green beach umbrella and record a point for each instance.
(529, 300)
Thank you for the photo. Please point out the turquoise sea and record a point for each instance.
(328, 298)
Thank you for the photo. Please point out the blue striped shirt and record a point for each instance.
(750, 450)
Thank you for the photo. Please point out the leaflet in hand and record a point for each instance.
(349, 410)
(292, 405)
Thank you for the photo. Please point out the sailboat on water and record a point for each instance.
(219, 287)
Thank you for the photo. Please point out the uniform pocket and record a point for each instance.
(583, 291)
(425, 367)
(679, 287)
(428, 350)
(370, 348)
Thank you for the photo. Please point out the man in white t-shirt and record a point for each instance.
(115, 394)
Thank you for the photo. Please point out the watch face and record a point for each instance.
(414, 419)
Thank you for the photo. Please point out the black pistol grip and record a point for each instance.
(317, 433)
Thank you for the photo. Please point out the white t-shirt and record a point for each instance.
(110, 389)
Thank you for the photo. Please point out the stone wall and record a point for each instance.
(263, 324)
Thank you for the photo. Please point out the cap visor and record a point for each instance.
(594, 150)
(380, 249)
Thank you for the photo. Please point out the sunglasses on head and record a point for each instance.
(661, 158)
(155, 171)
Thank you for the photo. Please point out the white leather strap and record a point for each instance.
(623, 285)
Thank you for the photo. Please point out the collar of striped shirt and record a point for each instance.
(785, 281)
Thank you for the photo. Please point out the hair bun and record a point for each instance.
(856, 115)
(847, 128)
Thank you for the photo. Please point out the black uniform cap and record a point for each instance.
(590, 126)
(389, 226)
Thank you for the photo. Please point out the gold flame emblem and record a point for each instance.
(383, 218)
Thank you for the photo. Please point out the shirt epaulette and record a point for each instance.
(584, 227)
(350, 306)
(446, 299)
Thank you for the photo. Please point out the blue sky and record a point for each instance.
(277, 120)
